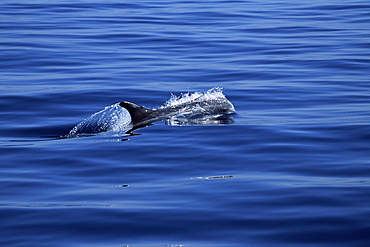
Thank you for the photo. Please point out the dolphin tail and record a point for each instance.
(138, 113)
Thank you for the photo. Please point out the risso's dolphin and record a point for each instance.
(209, 108)
(195, 108)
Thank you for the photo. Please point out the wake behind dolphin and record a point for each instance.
(209, 108)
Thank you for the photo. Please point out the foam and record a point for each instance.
(184, 98)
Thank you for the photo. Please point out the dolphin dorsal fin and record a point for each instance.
(138, 113)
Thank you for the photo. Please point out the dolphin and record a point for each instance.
(141, 116)
(209, 108)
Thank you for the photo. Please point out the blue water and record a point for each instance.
(292, 170)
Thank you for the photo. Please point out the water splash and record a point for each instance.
(111, 118)
(212, 94)
(209, 108)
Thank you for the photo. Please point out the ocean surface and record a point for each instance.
(291, 169)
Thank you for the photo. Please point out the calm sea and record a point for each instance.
(292, 170)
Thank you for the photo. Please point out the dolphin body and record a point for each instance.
(141, 116)
(209, 108)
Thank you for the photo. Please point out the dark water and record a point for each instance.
(292, 170)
